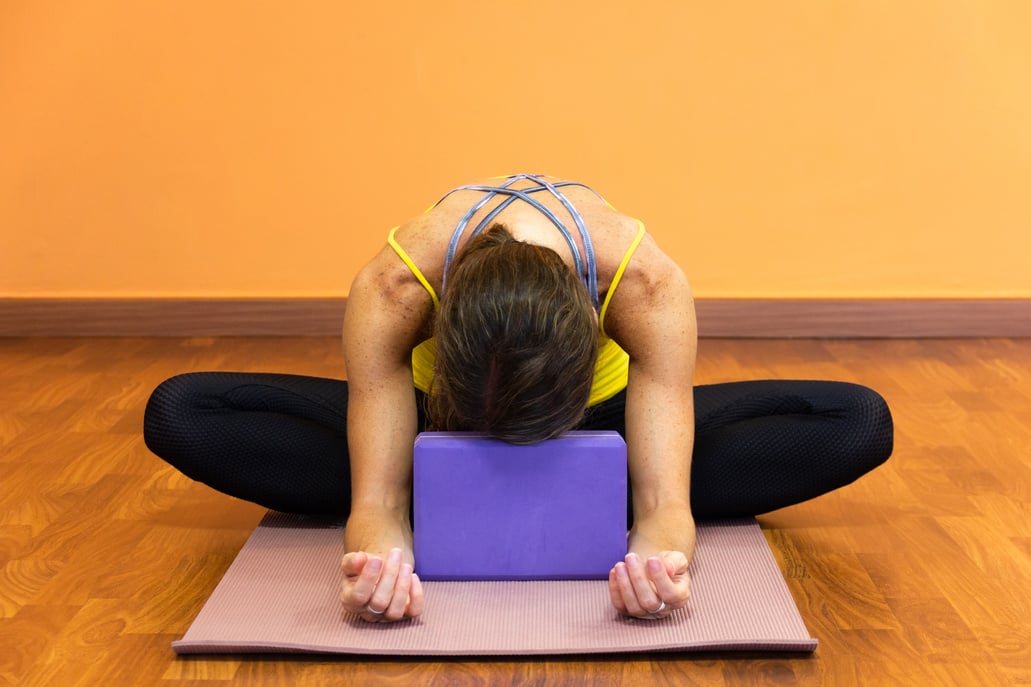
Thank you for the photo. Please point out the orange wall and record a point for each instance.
(776, 149)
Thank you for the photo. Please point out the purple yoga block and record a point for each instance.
(487, 510)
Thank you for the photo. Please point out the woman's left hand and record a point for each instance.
(650, 589)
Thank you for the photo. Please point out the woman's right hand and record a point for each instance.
(380, 589)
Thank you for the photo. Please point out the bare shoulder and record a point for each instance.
(386, 294)
(652, 302)
(424, 239)
(648, 272)
(653, 273)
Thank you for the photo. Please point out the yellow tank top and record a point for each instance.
(610, 370)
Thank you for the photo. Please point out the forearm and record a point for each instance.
(384, 422)
(659, 450)
(382, 425)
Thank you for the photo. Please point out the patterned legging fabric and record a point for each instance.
(281, 440)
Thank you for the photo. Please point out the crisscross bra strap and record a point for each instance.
(585, 263)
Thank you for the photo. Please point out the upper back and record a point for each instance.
(427, 238)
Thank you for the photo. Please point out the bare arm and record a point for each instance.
(386, 312)
(652, 317)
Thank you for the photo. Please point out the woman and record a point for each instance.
(523, 307)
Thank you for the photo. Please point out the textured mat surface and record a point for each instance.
(280, 596)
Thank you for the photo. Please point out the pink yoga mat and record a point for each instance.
(280, 596)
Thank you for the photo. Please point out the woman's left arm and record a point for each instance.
(652, 317)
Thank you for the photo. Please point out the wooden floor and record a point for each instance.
(917, 574)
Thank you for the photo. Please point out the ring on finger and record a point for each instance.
(370, 609)
(654, 615)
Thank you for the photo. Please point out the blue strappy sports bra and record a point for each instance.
(585, 263)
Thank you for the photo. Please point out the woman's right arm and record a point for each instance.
(387, 314)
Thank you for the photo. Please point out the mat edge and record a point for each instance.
(228, 649)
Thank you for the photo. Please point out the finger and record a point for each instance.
(352, 563)
(383, 594)
(627, 594)
(348, 568)
(402, 588)
(676, 562)
(357, 589)
(416, 597)
(614, 592)
(666, 590)
(647, 598)
(671, 566)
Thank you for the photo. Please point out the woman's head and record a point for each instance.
(516, 339)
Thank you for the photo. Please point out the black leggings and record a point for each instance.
(281, 440)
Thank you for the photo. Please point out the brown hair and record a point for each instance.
(516, 342)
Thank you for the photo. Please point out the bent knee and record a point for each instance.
(871, 427)
(170, 411)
